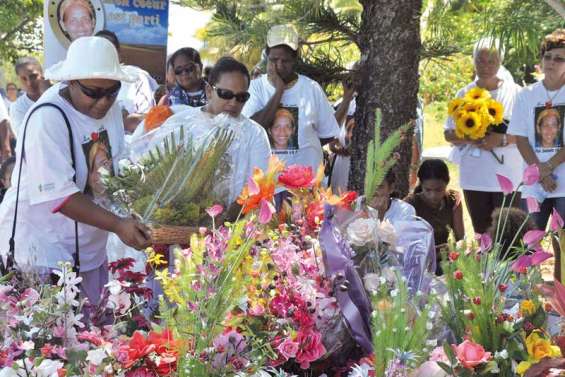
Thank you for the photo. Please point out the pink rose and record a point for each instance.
(297, 177)
(310, 347)
(471, 354)
(288, 348)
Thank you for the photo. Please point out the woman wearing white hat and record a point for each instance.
(51, 210)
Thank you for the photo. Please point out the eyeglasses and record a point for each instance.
(188, 69)
(228, 94)
(100, 93)
(556, 58)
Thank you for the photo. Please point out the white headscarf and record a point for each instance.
(489, 43)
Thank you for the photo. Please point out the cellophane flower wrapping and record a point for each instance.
(176, 171)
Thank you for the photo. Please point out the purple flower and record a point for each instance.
(266, 211)
(533, 237)
(533, 205)
(215, 210)
(556, 221)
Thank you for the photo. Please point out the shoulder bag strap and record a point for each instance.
(11, 260)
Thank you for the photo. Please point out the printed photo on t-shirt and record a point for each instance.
(98, 154)
(549, 128)
(283, 133)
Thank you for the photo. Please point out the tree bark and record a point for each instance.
(390, 52)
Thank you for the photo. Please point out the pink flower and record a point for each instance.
(215, 210)
(257, 310)
(297, 177)
(266, 211)
(486, 242)
(140, 372)
(521, 264)
(539, 256)
(531, 175)
(310, 347)
(533, 237)
(288, 348)
(556, 221)
(29, 297)
(533, 205)
(438, 354)
(505, 184)
(471, 354)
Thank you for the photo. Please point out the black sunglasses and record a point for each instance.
(99, 93)
(228, 94)
(188, 69)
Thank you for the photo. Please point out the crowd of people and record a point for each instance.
(74, 118)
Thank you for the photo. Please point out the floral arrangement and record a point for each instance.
(475, 114)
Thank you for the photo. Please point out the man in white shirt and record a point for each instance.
(33, 84)
(291, 107)
(64, 151)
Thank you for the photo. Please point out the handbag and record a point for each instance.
(11, 265)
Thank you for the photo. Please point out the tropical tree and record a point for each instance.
(20, 27)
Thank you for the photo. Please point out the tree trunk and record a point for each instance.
(390, 52)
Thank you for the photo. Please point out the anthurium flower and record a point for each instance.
(532, 204)
(539, 256)
(215, 210)
(266, 211)
(521, 264)
(531, 175)
(556, 221)
(471, 354)
(486, 242)
(505, 184)
(533, 237)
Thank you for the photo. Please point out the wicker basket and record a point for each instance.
(172, 234)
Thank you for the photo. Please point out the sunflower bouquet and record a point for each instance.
(476, 114)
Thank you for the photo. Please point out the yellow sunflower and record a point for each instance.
(496, 111)
(454, 105)
(468, 124)
(477, 94)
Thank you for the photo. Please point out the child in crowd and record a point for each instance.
(436, 204)
(388, 207)
(6, 175)
(511, 228)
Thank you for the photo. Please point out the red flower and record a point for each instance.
(297, 177)
(477, 300)
(502, 288)
(314, 214)
(95, 136)
(121, 264)
(458, 275)
(303, 318)
(346, 199)
(311, 347)
(138, 348)
(453, 256)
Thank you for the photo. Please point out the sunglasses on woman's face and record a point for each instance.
(187, 69)
(98, 93)
(228, 95)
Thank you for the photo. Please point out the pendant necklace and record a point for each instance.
(549, 102)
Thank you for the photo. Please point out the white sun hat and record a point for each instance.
(89, 58)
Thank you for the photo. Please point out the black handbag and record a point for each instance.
(11, 265)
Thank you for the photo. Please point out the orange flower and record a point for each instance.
(156, 117)
(260, 186)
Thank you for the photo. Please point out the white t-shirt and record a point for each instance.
(399, 210)
(478, 168)
(529, 106)
(3, 112)
(249, 149)
(44, 238)
(307, 102)
(137, 97)
(18, 111)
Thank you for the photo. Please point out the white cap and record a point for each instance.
(90, 58)
(283, 35)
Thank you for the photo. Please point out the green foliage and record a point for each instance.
(440, 79)
(20, 27)
(379, 156)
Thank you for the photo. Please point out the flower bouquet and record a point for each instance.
(477, 114)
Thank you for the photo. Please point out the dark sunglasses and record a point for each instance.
(228, 94)
(555, 58)
(188, 69)
(99, 93)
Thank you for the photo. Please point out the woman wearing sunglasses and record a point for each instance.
(189, 90)
(544, 147)
(58, 218)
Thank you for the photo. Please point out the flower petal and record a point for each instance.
(486, 242)
(505, 184)
(533, 237)
(266, 211)
(556, 221)
(215, 210)
(540, 256)
(252, 187)
(558, 299)
(533, 205)
(531, 175)
(522, 264)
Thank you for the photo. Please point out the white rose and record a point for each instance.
(362, 231)
(387, 233)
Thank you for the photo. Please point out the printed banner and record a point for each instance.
(140, 25)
